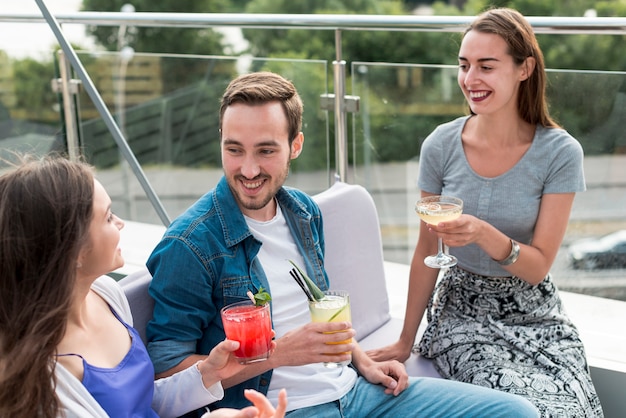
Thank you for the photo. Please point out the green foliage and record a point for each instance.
(611, 8)
(372, 46)
(163, 40)
(596, 123)
(159, 39)
(31, 80)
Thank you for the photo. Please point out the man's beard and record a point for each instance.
(253, 204)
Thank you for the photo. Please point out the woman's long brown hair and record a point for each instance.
(46, 207)
(511, 26)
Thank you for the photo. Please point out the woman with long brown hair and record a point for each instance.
(496, 319)
(67, 346)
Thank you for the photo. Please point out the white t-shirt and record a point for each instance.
(311, 384)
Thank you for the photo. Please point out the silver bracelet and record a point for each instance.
(512, 257)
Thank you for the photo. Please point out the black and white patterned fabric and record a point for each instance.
(505, 334)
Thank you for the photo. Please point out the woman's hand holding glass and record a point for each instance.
(433, 210)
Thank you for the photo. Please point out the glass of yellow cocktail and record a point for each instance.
(333, 307)
(433, 210)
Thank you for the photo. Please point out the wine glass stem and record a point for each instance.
(440, 246)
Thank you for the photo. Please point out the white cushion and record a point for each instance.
(354, 253)
(135, 286)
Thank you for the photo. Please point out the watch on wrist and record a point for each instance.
(512, 257)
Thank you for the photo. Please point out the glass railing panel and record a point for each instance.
(401, 104)
(170, 121)
(167, 107)
(29, 109)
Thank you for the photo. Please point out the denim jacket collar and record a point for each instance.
(233, 223)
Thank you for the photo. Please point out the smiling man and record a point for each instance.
(255, 171)
(239, 238)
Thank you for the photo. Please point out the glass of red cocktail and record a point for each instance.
(251, 326)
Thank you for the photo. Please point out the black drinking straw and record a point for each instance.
(302, 284)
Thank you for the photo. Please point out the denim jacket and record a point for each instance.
(207, 259)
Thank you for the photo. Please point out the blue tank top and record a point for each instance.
(127, 389)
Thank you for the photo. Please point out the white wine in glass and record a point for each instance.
(433, 210)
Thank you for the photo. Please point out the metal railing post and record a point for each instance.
(68, 90)
(341, 129)
(340, 104)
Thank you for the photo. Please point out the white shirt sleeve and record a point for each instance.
(183, 392)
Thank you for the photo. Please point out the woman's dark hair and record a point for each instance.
(518, 34)
(46, 207)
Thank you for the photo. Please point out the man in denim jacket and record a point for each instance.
(239, 238)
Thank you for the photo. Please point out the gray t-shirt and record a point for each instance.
(510, 202)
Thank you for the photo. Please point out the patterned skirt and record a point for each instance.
(505, 334)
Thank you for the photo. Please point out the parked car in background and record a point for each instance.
(606, 252)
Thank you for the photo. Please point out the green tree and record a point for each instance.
(374, 46)
(31, 80)
(164, 40)
(159, 39)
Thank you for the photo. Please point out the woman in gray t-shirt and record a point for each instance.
(496, 319)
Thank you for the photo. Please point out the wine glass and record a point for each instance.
(435, 209)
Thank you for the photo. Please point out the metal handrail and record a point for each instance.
(541, 24)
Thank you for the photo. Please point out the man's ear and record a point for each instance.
(527, 68)
(296, 146)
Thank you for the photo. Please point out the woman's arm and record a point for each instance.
(422, 280)
(536, 258)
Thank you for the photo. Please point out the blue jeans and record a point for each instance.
(425, 397)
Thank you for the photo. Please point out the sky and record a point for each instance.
(36, 40)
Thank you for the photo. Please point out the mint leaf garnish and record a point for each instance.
(261, 297)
